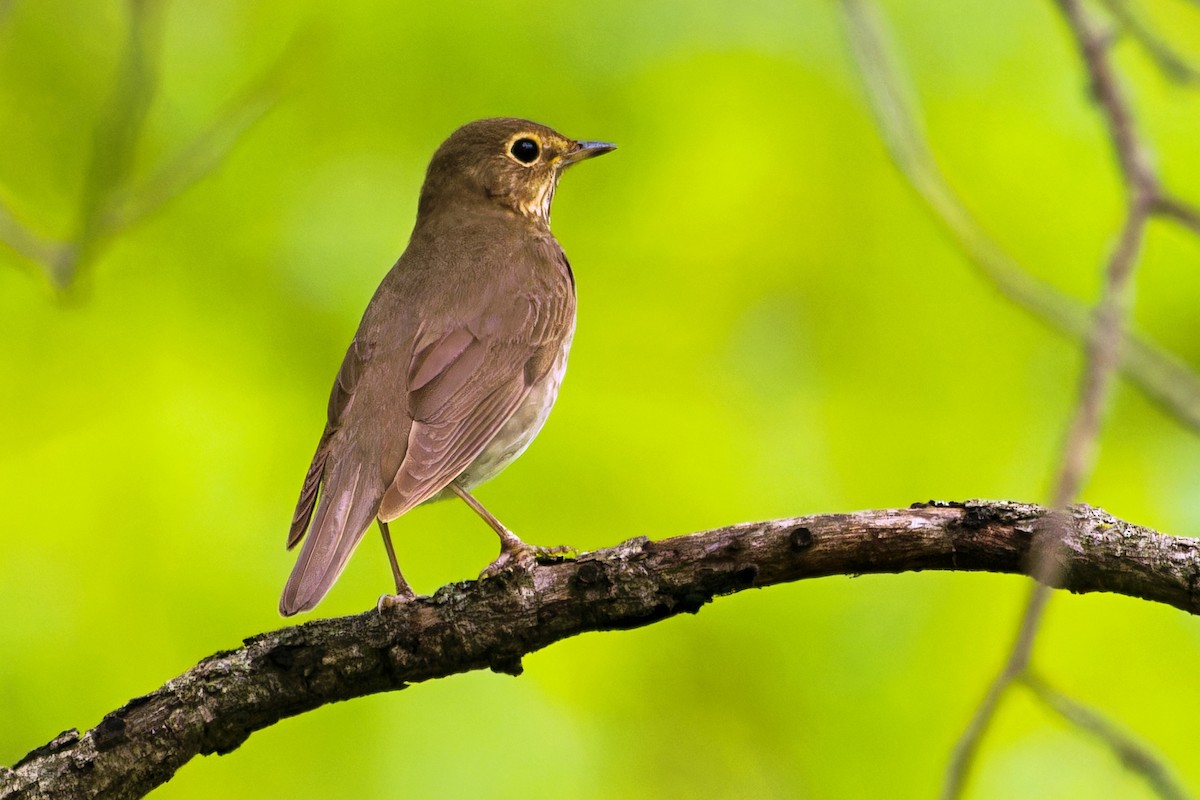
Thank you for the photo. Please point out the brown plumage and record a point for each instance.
(459, 355)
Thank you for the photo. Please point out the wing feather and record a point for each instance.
(416, 403)
(456, 414)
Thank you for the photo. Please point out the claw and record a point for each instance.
(394, 601)
(513, 552)
(523, 556)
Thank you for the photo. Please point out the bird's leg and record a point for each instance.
(404, 592)
(512, 549)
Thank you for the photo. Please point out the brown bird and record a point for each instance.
(458, 358)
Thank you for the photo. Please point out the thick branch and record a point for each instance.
(216, 705)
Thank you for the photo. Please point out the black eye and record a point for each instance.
(524, 150)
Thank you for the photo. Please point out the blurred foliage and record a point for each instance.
(770, 324)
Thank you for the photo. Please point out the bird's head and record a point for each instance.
(512, 162)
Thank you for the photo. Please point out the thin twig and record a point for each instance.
(211, 146)
(115, 139)
(1079, 453)
(1161, 376)
(1173, 65)
(109, 204)
(1132, 754)
(1132, 155)
(25, 242)
(962, 757)
(1184, 213)
(1135, 158)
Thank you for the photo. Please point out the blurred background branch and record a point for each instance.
(215, 706)
(28, 244)
(1102, 332)
(204, 153)
(112, 200)
(1132, 753)
(115, 139)
(1159, 374)
(1183, 213)
(1131, 21)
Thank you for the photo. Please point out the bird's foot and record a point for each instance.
(516, 553)
(394, 600)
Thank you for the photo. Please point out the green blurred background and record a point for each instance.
(770, 324)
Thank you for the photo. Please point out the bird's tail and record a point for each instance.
(344, 511)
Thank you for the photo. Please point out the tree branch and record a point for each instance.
(216, 705)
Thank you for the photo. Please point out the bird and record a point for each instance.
(457, 360)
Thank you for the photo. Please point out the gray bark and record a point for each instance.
(216, 705)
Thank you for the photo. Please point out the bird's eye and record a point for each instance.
(524, 150)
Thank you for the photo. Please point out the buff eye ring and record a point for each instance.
(525, 150)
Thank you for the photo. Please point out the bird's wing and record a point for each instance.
(464, 385)
(432, 414)
(339, 397)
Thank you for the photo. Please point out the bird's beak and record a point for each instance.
(585, 150)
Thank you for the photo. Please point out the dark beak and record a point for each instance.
(585, 150)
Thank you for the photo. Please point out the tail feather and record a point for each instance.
(308, 493)
(348, 503)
